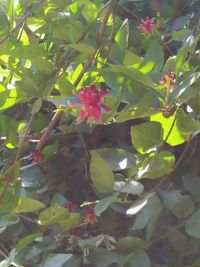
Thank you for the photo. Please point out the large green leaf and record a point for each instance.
(4, 22)
(101, 173)
(133, 74)
(57, 260)
(24, 242)
(180, 205)
(177, 239)
(146, 136)
(89, 11)
(189, 46)
(152, 209)
(192, 185)
(117, 158)
(155, 55)
(130, 243)
(8, 219)
(70, 222)
(192, 227)
(103, 204)
(156, 165)
(28, 205)
(53, 214)
(184, 86)
(9, 260)
(175, 137)
(136, 259)
(186, 124)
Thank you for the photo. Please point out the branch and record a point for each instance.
(175, 165)
(50, 127)
(19, 24)
(104, 22)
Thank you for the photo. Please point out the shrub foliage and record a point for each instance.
(99, 123)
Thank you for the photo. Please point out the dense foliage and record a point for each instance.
(99, 124)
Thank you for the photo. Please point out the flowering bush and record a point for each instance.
(99, 129)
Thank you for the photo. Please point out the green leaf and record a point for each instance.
(83, 48)
(155, 55)
(89, 11)
(180, 22)
(54, 214)
(132, 187)
(70, 222)
(137, 259)
(31, 51)
(101, 173)
(192, 227)
(57, 260)
(28, 205)
(152, 209)
(121, 37)
(182, 55)
(4, 22)
(139, 204)
(183, 86)
(192, 185)
(8, 219)
(132, 73)
(146, 136)
(130, 244)
(156, 165)
(130, 59)
(11, 173)
(8, 261)
(24, 242)
(102, 257)
(180, 205)
(175, 138)
(117, 158)
(186, 124)
(177, 240)
(103, 204)
(36, 106)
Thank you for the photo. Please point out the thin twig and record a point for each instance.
(22, 143)
(50, 127)
(104, 22)
(170, 130)
(175, 165)
(19, 24)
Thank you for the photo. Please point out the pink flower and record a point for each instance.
(91, 103)
(36, 157)
(89, 216)
(147, 26)
(169, 79)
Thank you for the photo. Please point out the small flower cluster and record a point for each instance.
(169, 79)
(147, 26)
(91, 103)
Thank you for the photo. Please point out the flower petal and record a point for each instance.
(82, 116)
(96, 113)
